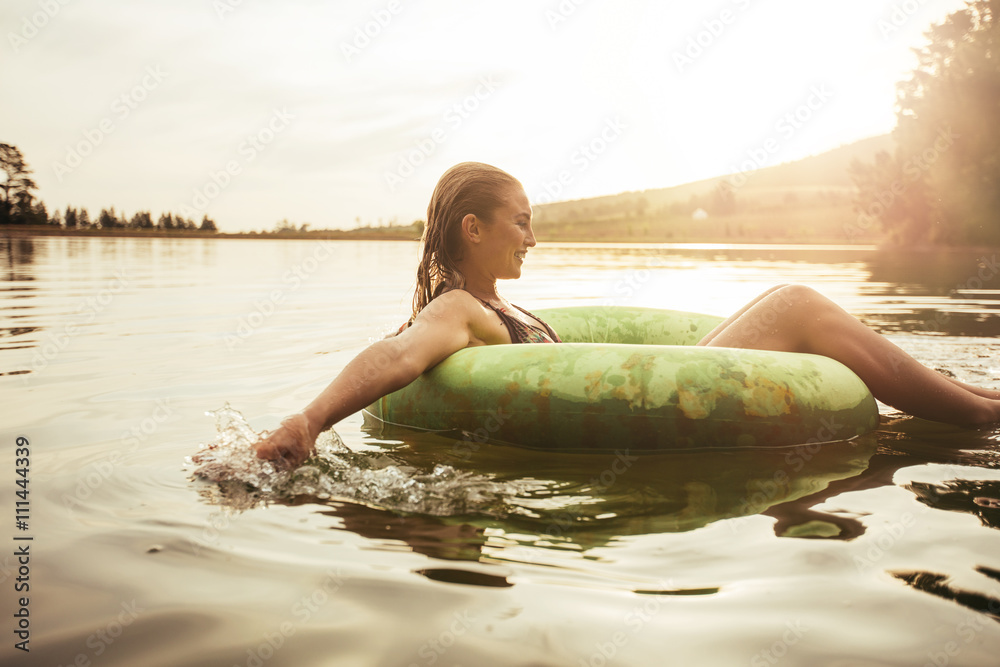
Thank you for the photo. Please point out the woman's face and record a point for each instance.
(508, 237)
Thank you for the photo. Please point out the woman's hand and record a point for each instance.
(449, 323)
(291, 443)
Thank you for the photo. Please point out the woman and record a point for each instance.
(479, 231)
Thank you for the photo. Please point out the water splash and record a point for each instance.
(335, 472)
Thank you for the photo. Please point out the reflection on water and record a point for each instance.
(18, 256)
(396, 548)
(576, 501)
(18, 288)
(979, 498)
(939, 585)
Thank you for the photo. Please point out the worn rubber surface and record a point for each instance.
(632, 378)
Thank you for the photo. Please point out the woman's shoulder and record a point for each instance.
(458, 308)
(451, 304)
(455, 298)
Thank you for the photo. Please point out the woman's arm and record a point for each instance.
(446, 325)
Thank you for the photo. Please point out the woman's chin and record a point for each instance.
(512, 273)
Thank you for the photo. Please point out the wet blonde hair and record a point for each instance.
(469, 187)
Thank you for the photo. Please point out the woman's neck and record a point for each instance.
(487, 291)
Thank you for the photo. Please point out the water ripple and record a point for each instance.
(336, 472)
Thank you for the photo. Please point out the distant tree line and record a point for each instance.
(942, 183)
(108, 219)
(19, 206)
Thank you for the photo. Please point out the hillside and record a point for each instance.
(809, 200)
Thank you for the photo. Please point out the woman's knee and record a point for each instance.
(790, 309)
(796, 295)
(771, 290)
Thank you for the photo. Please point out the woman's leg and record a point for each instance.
(794, 318)
(978, 391)
(735, 316)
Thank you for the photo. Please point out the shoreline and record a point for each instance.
(398, 234)
(409, 234)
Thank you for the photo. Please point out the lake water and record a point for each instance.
(880, 551)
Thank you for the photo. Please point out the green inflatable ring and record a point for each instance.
(632, 378)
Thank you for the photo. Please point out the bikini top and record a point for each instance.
(523, 332)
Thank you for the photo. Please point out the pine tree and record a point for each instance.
(39, 214)
(108, 219)
(141, 220)
(15, 189)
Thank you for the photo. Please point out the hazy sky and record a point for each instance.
(323, 112)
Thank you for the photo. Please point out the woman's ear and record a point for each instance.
(471, 227)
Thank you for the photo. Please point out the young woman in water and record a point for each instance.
(479, 231)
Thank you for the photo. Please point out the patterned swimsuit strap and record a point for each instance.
(523, 332)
